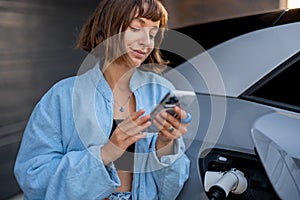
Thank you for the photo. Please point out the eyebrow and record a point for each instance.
(143, 22)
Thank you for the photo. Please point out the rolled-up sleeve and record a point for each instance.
(45, 169)
(170, 172)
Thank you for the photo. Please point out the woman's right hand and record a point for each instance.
(127, 132)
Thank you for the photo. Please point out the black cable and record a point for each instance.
(216, 193)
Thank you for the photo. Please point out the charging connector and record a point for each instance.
(219, 184)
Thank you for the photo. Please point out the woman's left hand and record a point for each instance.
(170, 127)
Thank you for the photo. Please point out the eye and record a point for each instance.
(134, 29)
(153, 35)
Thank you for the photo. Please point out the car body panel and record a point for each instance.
(242, 117)
(287, 136)
(235, 135)
(247, 58)
(276, 137)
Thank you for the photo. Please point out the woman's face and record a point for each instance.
(139, 39)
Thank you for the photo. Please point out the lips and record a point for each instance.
(138, 53)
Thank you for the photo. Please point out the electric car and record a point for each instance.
(243, 140)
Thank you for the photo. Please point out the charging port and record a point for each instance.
(221, 161)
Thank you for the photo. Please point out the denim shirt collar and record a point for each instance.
(138, 79)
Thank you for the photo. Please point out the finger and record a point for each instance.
(183, 129)
(123, 144)
(158, 123)
(136, 130)
(138, 125)
(137, 114)
(169, 118)
(136, 138)
(180, 112)
(171, 121)
(165, 131)
(126, 142)
(129, 122)
(142, 120)
(159, 119)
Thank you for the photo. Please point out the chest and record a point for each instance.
(126, 108)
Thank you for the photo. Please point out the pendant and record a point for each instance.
(121, 109)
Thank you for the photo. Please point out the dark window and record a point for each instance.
(280, 88)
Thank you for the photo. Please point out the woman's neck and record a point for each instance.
(118, 76)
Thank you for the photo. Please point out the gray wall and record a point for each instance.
(37, 40)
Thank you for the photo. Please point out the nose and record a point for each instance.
(145, 38)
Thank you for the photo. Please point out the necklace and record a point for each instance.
(122, 109)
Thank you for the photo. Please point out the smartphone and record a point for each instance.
(180, 98)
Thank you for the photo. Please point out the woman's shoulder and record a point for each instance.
(64, 84)
(58, 91)
(69, 82)
(65, 87)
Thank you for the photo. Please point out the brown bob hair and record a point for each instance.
(113, 17)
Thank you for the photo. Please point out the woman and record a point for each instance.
(86, 129)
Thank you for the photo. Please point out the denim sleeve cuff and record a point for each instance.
(179, 149)
(167, 160)
(109, 169)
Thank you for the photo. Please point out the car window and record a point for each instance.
(280, 87)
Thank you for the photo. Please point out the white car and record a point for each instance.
(244, 137)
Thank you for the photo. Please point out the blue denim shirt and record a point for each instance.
(59, 157)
